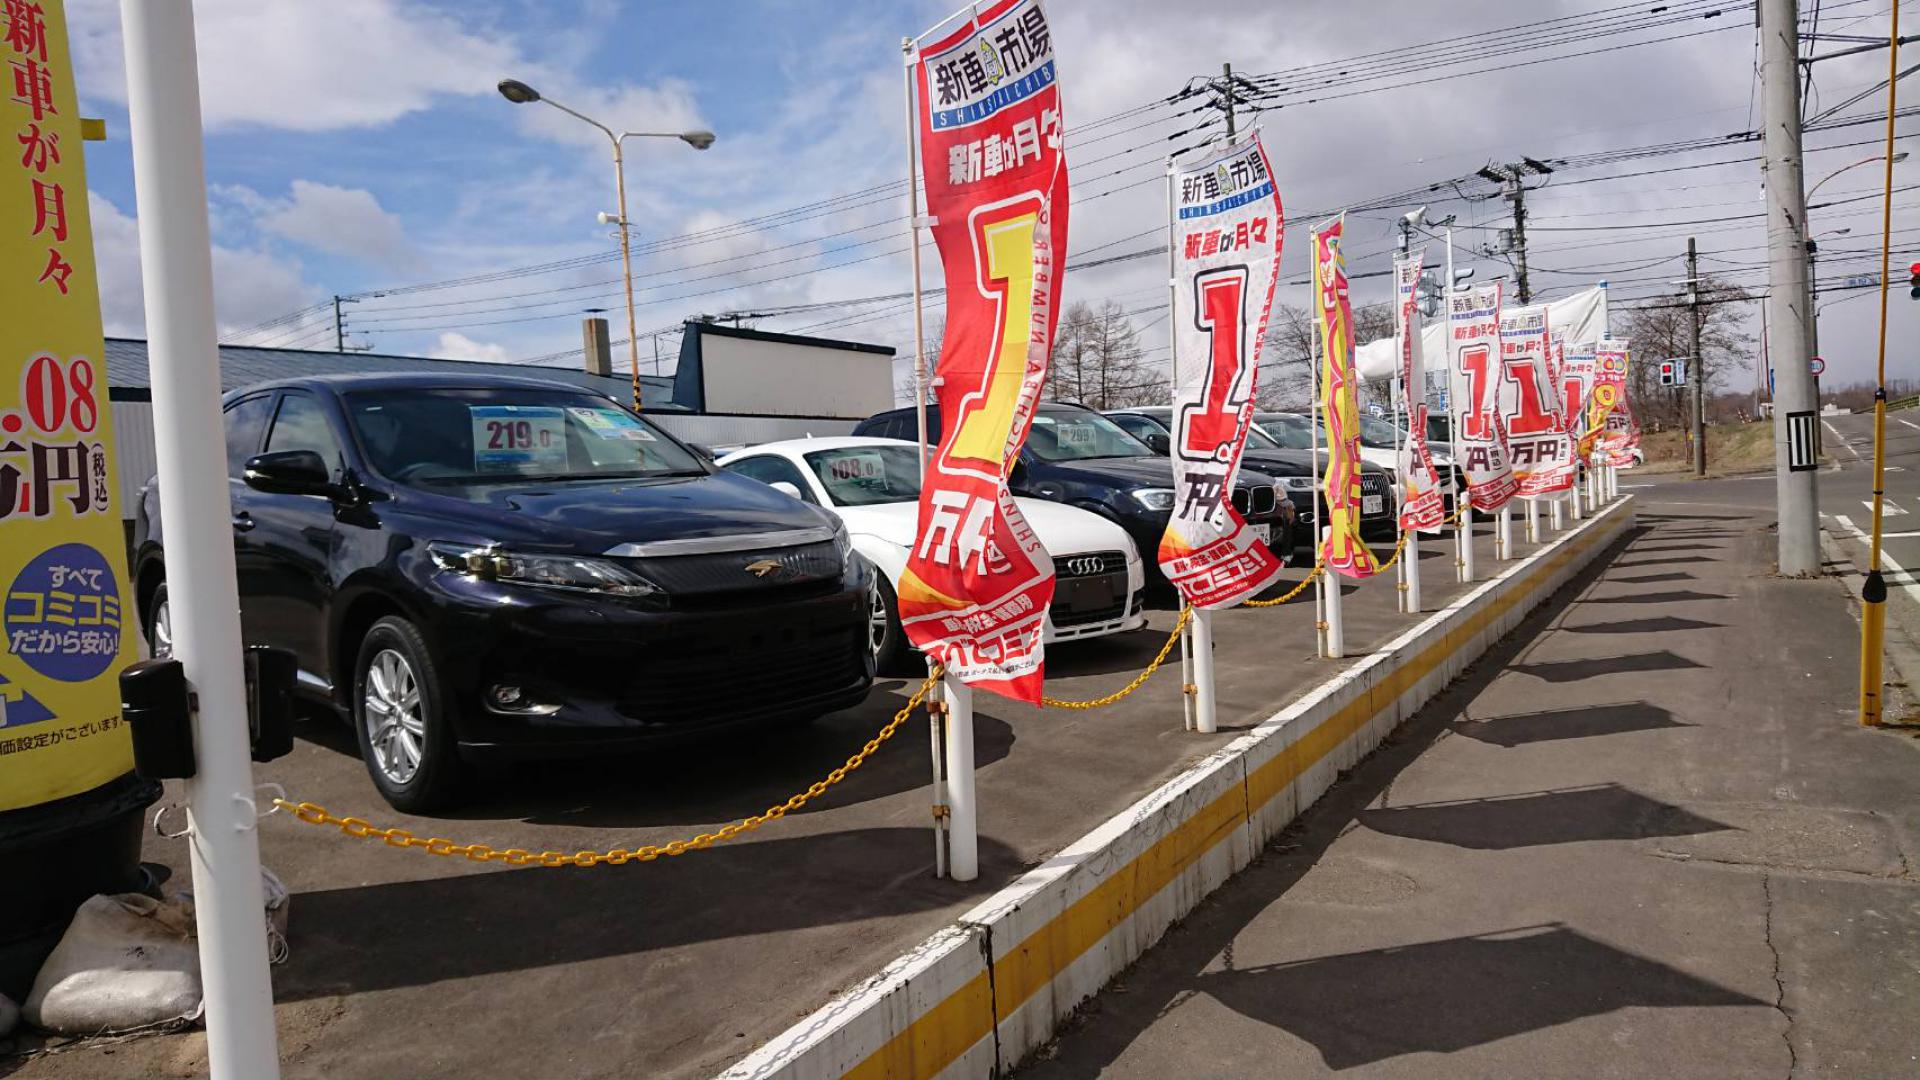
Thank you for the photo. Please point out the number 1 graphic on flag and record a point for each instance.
(1003, 266)
(1220, 310)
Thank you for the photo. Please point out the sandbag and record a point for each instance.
(125, 962)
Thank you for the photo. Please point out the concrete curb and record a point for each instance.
(979, 996)
(1901, 650)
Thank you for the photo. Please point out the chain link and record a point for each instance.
(1186, 616)
(358, 828)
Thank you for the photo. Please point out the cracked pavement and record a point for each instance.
(1642, 837)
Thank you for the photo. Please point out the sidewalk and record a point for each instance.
(1644, 838)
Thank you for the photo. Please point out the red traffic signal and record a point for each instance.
(1913, 280)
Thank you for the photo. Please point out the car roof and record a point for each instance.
(818, 442)
(413, 380)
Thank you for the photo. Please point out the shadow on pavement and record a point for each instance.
(1561, 671)
(411, 933)
(1671, 596)
(1552, 725)
(1664, 546)
(1354, 1007)
(1655, 562)
(1655, 519)
(1533, 819)
(1652, 579)
(1643, 626)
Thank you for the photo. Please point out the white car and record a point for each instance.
(874, 486)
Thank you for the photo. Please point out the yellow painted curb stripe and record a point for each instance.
(938, 1037)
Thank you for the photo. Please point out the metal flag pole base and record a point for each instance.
(1533, 522)
(1410, 570)
(963, 828)
(1334, 639)
(1503, 534)
(1464, 536)
(1186, 675)
(937, 737)
(1556, 520)
(1204, 720)
(1578, 493)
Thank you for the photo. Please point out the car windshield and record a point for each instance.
(1290, 430)
(491, 435)
(1377, 433)
(1080, 434)
(1260, 440)
(867, 475)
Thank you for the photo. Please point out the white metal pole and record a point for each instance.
(1394, 396)
(1205, 720)
(1463, 525)
(1411, 557)
(1555, 521)
(1579, 489)
(937, 738)
(176, 261)
(1186, 676)
(1503, 534)
(963, 828)
(1533, 521)
(1336, 628)
(913, 247)
(1323, 499)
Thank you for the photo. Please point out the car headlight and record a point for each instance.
(1297, 483)
(575, 573)
(1393, 477)
(1154, 498)
(842, 546)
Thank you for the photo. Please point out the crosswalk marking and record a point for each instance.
(1910, 588)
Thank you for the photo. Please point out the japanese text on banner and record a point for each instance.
(1473, 366)
(1537, 442)
(976, 588)
(1611, 423)
(66, 614)
(1422, 505)
(1227, 232)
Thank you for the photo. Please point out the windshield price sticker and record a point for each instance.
(509, 438)
(1076, 434)
(612, 424)
(858, 467)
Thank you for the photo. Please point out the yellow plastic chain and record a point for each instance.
(314, 814)
(1186, 616)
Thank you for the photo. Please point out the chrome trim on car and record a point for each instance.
(710, 545)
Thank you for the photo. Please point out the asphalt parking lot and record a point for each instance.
(403, 964)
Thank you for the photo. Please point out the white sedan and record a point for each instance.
(874, 486)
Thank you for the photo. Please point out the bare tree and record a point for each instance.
(1290, 361)
(1098, 362)
(1660, 330)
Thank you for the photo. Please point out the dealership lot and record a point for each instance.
(473, 958)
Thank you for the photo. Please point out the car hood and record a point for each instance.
(595, 516)
(1292, 462)
(1063, 529)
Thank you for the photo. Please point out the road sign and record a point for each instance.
(1817, 366)
(1802, 447)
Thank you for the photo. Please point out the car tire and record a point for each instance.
(885, 638)
(159, 625)
(399, 697)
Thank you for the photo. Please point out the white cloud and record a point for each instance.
(249, 285)
(306, 66)
(457, 346)
(340, 221)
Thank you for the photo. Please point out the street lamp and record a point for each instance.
(1806, 233)
(521, 94)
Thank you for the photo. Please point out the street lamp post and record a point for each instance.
(521, 94)
(1806, 232)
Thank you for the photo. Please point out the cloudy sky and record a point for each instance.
(358, 147)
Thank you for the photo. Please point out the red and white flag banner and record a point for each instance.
(1537, 441)
(1474, 368)
(1422, 505)
(1226, 234)
(1342, 550)
(1616, 432)
(976, 587)
(1576, 390)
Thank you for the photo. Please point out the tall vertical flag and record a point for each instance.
(1473, 368)
(1614, 429)
(1422, 506)
(66, 616)
(1226, 234)
(1576, 390)
(976, 587)
(1342, 550)
(1537, 442)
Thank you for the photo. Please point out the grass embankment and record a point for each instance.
(1731, 448)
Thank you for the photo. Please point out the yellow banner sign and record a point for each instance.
(67, 617)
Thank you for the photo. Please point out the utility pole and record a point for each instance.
(1795, 468)
(1512, 180)
(1226, 94)
(1699, 374)
(339, 328)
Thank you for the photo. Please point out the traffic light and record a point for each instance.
(1913, 281)
(1666, 373)
(1427, 291)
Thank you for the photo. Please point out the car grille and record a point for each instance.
(741, 571)
(1064, 619)
(1089, 564)
(1259, 501)
(714, 679)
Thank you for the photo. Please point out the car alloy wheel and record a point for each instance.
(877, 618)
(160, 637)
(396, 725)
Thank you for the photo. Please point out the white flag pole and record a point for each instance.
(1410, 558)
(176, 253)
(1462, 506)
(1200, 626)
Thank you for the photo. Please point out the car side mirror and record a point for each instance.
(289, 472)
(1158, 442)
(786, 487)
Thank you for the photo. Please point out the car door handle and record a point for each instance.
(242, 522)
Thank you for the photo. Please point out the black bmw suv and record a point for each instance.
(474, 565)
(1077, 456)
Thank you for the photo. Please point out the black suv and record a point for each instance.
(1077, 456)
(474, 565)
(1294, 468)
